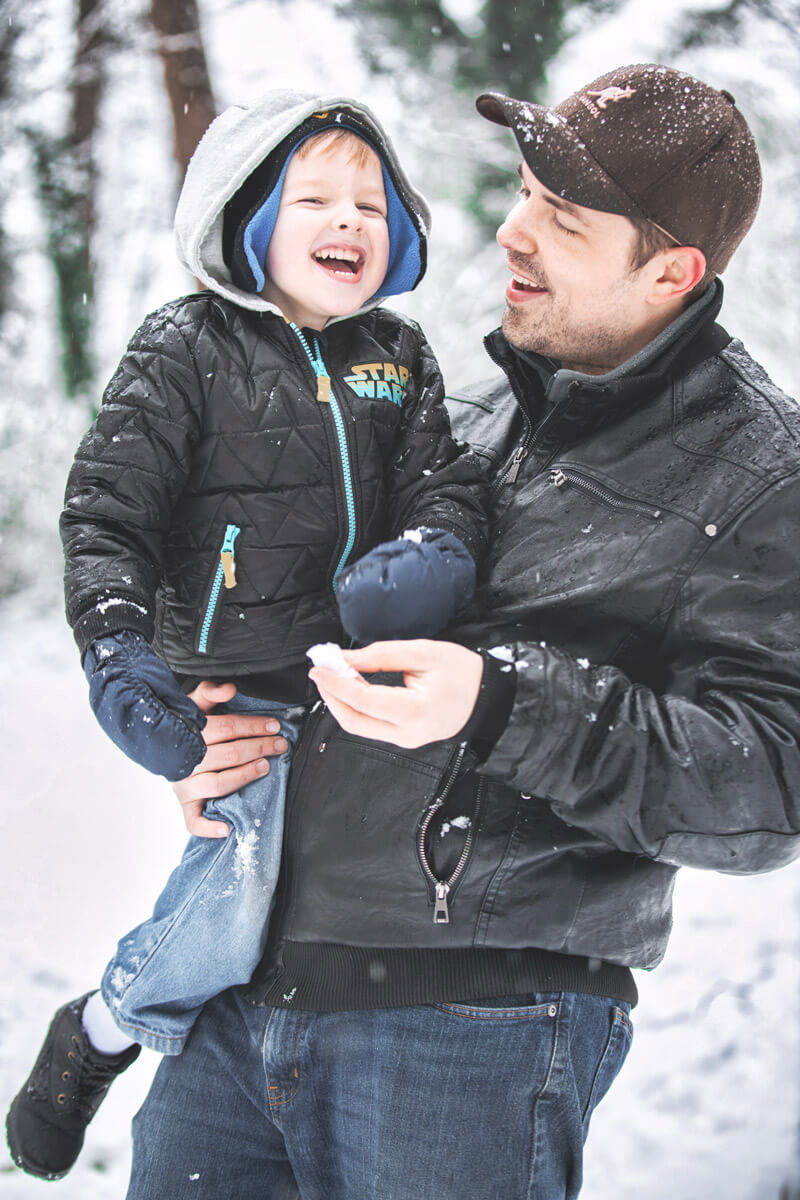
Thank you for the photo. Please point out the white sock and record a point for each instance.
(101, 1028)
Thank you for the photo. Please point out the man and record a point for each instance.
(445, 996)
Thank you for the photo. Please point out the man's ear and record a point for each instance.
(679, 270)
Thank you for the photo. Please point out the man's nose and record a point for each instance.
(516, 233)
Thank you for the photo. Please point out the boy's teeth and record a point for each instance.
(343, 255)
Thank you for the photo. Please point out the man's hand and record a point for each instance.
(238, 746)
(441, 679)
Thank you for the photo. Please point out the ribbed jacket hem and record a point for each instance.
(336, 978)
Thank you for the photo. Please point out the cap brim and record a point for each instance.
(556, 155)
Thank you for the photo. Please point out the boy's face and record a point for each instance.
(329, 249)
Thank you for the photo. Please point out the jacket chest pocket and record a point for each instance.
(221, 583)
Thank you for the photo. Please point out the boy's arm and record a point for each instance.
(121, 491)
(127, 474)
(434, 481)
(415, 585)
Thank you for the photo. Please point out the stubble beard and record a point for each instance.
(600, 347)
(597, 344)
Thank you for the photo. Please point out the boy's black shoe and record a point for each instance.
(47, 1120)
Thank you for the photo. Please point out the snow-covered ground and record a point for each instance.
(707, 1106)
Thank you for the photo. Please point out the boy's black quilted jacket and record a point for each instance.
(212, 421)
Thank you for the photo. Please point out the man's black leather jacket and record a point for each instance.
(643, 576)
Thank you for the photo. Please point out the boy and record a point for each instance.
(252, 445)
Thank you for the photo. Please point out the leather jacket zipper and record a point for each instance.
(511, 470)
(224, 574)
(561, 476)
(530, 439)
(326, 395)
(443, 887)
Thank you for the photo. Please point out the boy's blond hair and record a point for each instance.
(329, 139)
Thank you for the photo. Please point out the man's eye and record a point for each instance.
(564, 228)
(523, 193)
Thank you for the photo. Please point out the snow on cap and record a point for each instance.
(650, 142)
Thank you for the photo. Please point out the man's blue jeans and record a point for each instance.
(484, 1101)
(209, 925)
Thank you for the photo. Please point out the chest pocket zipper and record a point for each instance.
(224, 579)
(560, 477)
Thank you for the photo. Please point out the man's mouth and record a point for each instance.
(343, 263)
(524, 285)
(520, 288)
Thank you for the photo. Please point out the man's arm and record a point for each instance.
(705, 772)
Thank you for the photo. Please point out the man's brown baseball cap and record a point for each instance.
(645, 141)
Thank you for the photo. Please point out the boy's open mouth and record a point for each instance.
(342, 263)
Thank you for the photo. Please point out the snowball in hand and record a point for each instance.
(329, 656)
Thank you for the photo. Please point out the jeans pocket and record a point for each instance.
(528, 1006)
(614, 1053)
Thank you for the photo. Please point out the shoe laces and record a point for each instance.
(92, 1083)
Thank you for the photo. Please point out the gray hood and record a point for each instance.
(230, 150)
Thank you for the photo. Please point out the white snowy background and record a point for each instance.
(708, 1104)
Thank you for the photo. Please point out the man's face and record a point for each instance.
(572, 295)
(329, 249)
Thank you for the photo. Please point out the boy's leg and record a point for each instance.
(208, 926)
(101, 1028)
(47, 1119)
(206, 933)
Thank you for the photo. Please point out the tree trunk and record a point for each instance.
(66, 174)
(87, 87)
(180, 44)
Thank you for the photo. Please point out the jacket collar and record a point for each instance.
(582, 403)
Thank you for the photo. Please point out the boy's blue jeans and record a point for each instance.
(208, 927)
(483, 1101)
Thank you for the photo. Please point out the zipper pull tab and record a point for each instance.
(558, 477)
(516, 462)
(323, 389)
(441, 913)
(226, 556)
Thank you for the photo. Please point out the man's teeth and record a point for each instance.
(525, 283)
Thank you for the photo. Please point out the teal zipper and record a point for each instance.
(325, 396)
(226, 573)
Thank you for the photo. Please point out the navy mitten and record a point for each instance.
(139, 704)
(408, 588)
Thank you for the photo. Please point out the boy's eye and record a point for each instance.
(372, 208)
